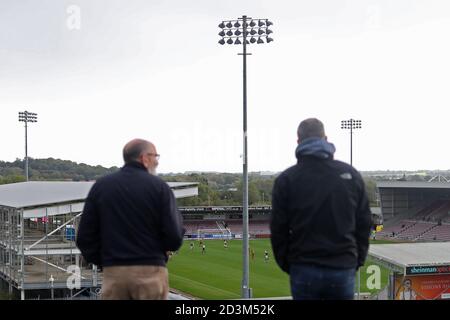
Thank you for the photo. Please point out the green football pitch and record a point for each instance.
(217, 274)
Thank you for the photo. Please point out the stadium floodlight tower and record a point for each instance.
(351, 124)
(232, 32)
(27, 117)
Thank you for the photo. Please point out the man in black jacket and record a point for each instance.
(130, 221)
(321, 220)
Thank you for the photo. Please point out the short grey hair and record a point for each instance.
(309, 128)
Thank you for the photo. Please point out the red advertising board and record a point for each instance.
(430, 287)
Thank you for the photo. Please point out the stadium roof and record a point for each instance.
(402, 256)
(413, 184)
(45, 193)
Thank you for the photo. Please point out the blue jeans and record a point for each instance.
(309, 282)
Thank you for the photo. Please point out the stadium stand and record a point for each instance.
(194, 225)
(415, 231)
(394, 230)
(414, 210)
(438, 233)
(256, 227)
(426, 213)
(191, 227)
(438, 210)
(442, 213)
(259, 227)
(428, 224)
(235, 226)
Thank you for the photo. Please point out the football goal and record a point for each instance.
(214, 233)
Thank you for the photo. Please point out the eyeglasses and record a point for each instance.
(156, 155)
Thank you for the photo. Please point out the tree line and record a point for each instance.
(50, 170)
(218, 189)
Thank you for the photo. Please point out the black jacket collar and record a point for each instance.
(135, 164)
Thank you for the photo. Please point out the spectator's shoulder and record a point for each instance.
(285, 175)
(158, 183)
(289, 171)
(158, 180)
(282, 176)
(342, 165)
(344, 168)
(106, 179)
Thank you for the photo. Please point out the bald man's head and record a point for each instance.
(133, 149)
(143, 151)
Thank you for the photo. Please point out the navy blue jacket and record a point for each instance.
(320, 215)
(130, 218)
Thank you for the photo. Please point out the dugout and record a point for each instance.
(418, 271)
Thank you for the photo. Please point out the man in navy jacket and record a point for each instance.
(320, 223)
(130, 221)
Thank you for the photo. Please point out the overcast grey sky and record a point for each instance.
(154, 69)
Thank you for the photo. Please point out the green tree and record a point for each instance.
(371, 190)
(11, 179)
